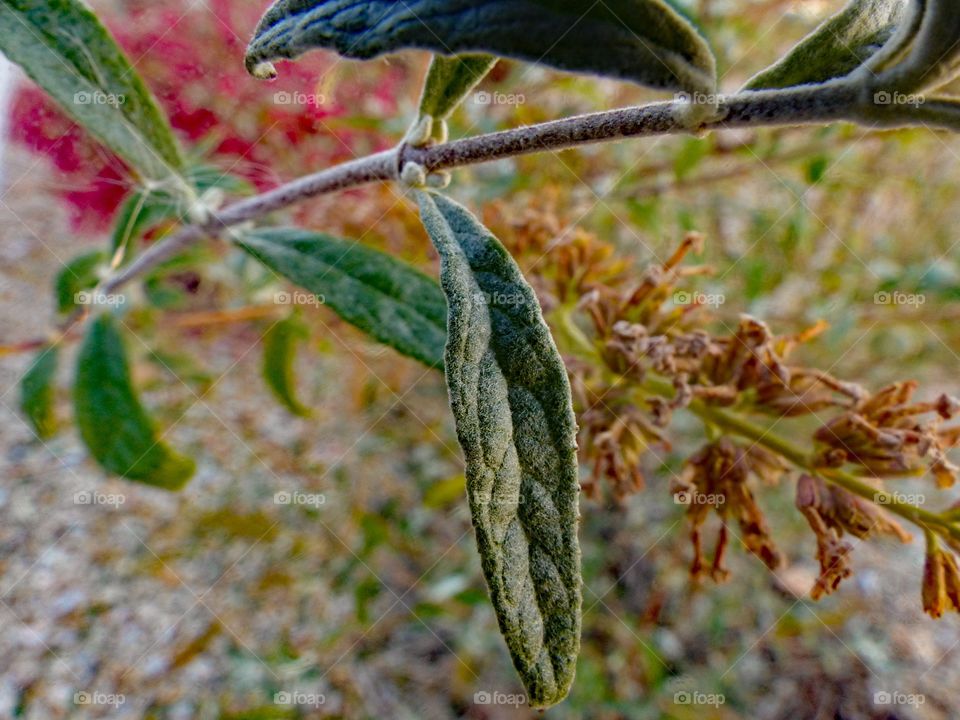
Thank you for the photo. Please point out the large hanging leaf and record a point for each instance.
(449, 80)
(645, 41)
(113, 424)
(279, 351)
(37, 392)
(396, 304)
(836, 48)
(63, 47)
(511, 401)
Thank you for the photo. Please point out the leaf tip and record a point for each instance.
(261, 69)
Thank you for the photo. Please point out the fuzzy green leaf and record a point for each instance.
(644, 41)
(449, 81)
(112, 422)
(79, 274)
(37, 392)
(63, 47)
(839, 46)
(511, 401)
(396, 304)
(279, 352)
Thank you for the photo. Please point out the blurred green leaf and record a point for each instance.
(279, 352)
(37, 392)
(393, 302)
(112, 422)
(78, 275)
(63, 47)
(449, 80)
(644, 41)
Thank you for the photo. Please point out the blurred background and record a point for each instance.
(369, 602)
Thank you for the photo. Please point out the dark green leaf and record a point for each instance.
(37, 392)
(78, 275)
(279, 351)
(836, 48)
(63, 47)
(645, 41)
(396, 304)
(449, 80)
(113, 424)
(511, 401)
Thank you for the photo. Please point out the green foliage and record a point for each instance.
(449, 80)
(835, 49)
(113, 424)
(393, 302)
(63, 47)
(511, 402)
(279, 352)
(77, 276)
(37, 392)
(645, 41)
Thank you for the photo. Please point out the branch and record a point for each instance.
(815, 104)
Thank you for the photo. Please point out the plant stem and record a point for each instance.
(826, 103)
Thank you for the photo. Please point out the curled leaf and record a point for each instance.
(511, 401)
(837, 47)
(112, 422)
(77, 276)
(279, 351)
(644, 41)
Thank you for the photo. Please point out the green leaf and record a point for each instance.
(279, 352)
(112, 422)
(37, 392)
(645, 41)
(77, 275)
(839, 46)
(925, 51)
(63, 47)
(511, 401)
(450, 80)
(396, 304)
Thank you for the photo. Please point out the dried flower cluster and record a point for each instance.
(659, 351)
